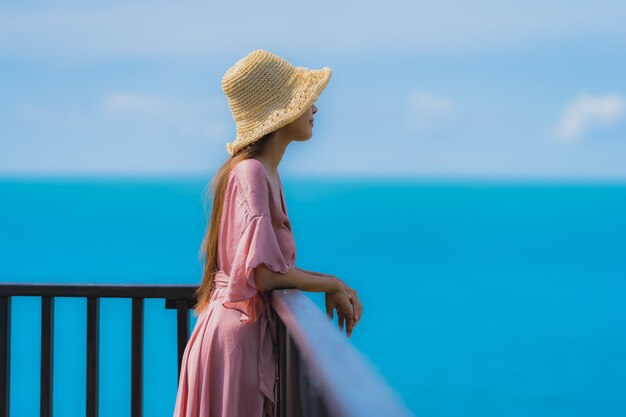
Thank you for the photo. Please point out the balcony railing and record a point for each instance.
(320, 373)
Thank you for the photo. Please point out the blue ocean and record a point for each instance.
(483, 298)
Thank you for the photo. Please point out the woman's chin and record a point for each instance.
(305, 137)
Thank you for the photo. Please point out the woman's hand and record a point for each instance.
(356, 303)
(331, 304)
(339, 299)
(354, 299)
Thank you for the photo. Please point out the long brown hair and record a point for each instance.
(208, 249)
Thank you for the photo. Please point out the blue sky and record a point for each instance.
(458, 89)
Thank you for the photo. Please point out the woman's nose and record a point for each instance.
(314, 109)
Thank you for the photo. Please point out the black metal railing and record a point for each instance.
(179, 297)
(320, 372)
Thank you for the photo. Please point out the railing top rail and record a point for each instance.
(98, 290)
(349, 383)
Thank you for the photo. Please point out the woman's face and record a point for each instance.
(302, 127)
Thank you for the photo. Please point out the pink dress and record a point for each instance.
(229, 368)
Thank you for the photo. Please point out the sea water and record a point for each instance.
(481, 298)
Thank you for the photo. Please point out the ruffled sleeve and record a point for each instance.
(257, 245)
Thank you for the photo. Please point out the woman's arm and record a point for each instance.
(312, 272)
(324, 275)
(354, 299)
(337, 297)
(267, 280)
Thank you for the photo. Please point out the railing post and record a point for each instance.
(5, 355)
(310, 392)
(303, 388)
(182, 316)
(136, 380)
(93, 329)
(294, 402)
(47, 353)
(281, 336)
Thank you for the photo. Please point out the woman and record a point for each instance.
(229, 368)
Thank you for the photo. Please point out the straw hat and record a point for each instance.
(265, 92)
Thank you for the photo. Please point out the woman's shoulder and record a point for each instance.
(251, 179)
(250, 170)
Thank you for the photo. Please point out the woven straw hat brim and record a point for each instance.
(312, 83)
